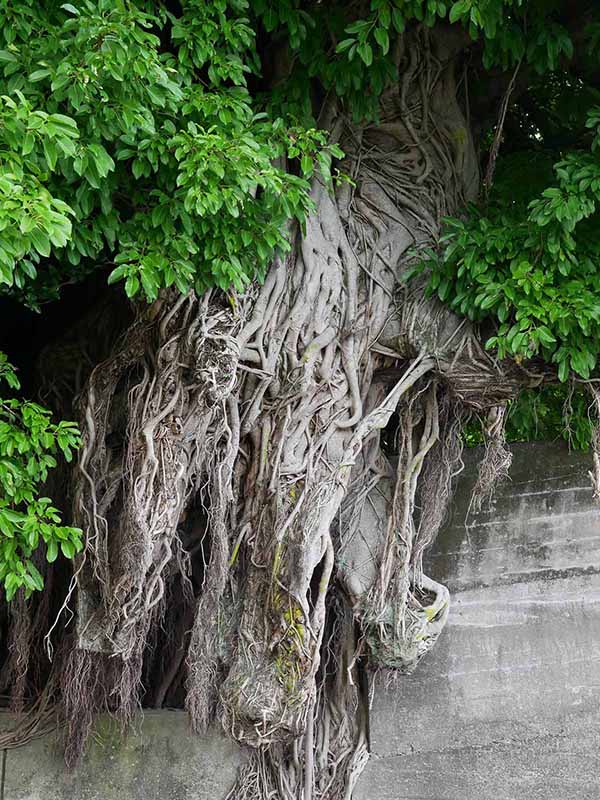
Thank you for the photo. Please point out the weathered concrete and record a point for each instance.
(508, 703)
(161, 760)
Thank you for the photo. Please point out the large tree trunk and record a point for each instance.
(232, 471)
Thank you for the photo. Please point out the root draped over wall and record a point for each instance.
(242, 518)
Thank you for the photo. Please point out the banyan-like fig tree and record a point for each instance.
(335, 234)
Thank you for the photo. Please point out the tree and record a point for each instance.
(269, 182)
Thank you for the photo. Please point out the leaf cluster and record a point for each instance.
(509, 31)
(29, 443)
(132, 134)
(533, 270)
(128, 136)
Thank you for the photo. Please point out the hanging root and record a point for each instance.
(595, 473)
(156, 433)
(19, 652)
(404, 611)
(84, 695)
(327, 760)
(213, 614)
(443, 463)
(496, 461)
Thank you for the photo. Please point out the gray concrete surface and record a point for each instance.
(159, 760)
(507, 705)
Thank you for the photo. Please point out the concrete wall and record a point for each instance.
(161, 760)
(507, 705)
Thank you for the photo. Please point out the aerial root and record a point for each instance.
(496, 461)
(595, 473)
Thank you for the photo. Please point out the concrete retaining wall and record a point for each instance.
(161, 760)
(507, 705)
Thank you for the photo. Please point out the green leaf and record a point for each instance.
(383, 40)
(37, 580)
(459, 10)
(51, 551)
(307, 165)
(344, 45)
(563, 370)
(132, 286)
(365, 51)
(545, 335)
(39, 75)
(399, 20)
(68, 549)
(50, 153)
(28, 143)
(117, 274)
(41, 242)
(11, 587)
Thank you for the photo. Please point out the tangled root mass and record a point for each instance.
(251, 550)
